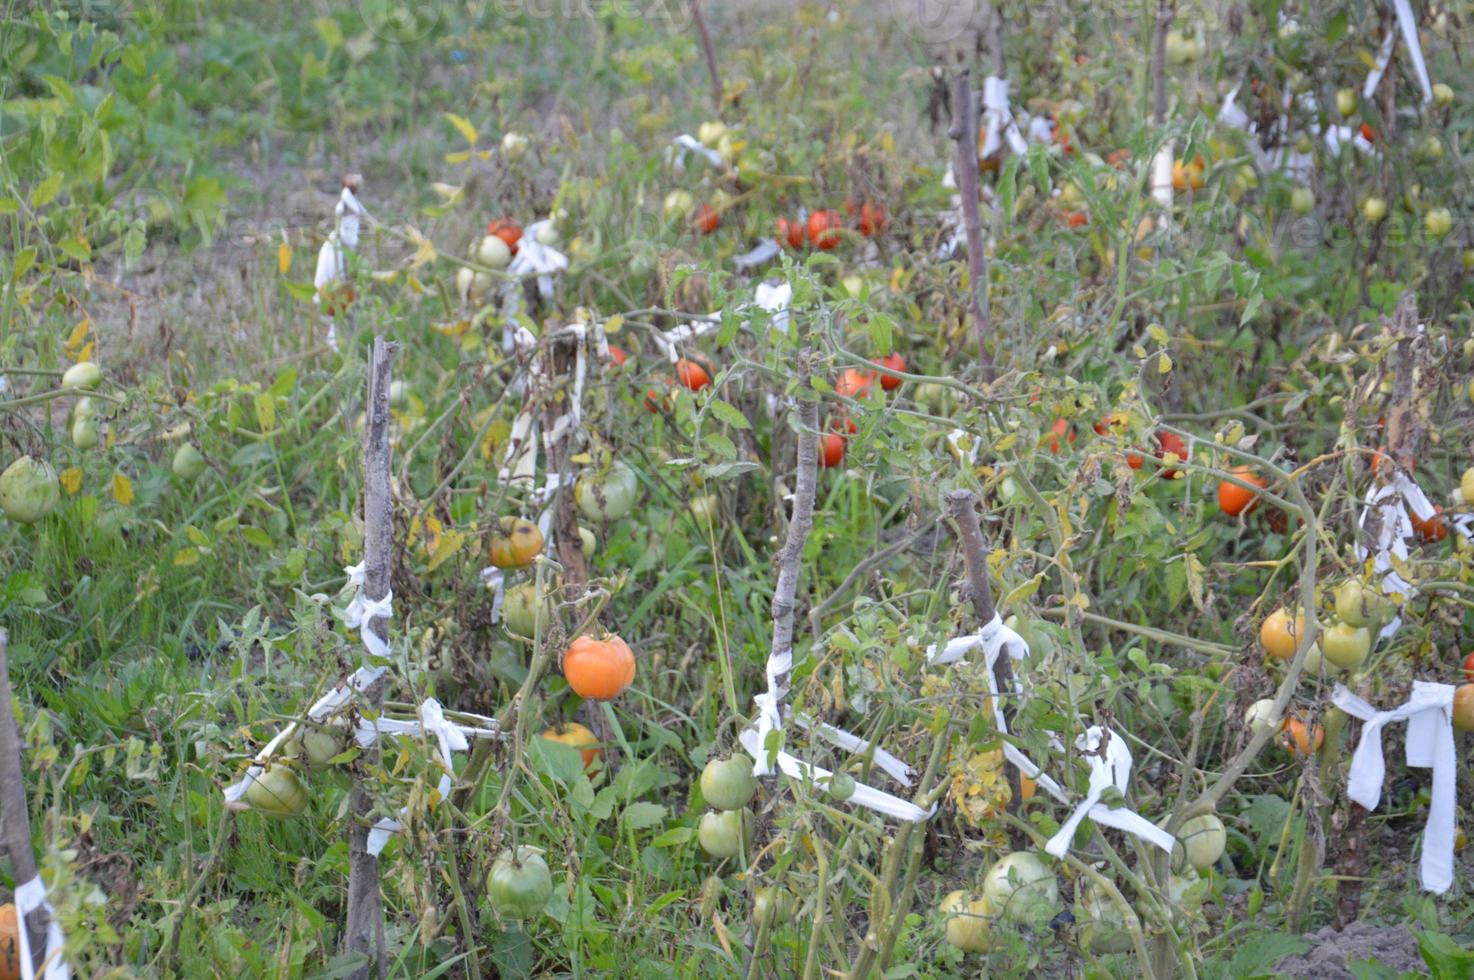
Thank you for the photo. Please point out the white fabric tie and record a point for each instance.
(29, 896)
(998, 119)
(535, 258)
(776, 299)
(1430, 745)
(362, 611)
(675, 154)
(1110, 766)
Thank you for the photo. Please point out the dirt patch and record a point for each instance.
(1332, 952)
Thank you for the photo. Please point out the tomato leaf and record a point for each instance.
(729, 414)
(642, 816)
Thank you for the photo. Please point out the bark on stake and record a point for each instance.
(364, 931)
(709, 52)
(785, 592)
(13, 812)
(1159, 61)
(962, 508)
(965, 132)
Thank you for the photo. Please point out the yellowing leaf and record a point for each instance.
(424, 248)
(1164, 364)
(265, 412)
(460, 156)
(71, 479)
(85, 354)
(887, 143)
(45, 192)
(122, 489)
(78, 334)
(450, 543)
(1157, 333)
(197, 537)
(614, 324)
(453, 329)
(186, 556)
(283, 258)
(464, 127)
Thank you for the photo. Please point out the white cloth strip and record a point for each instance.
(362, 611)
(1379, 66)
(850, 742)
(865, 796)
(1161, 176)
(776, 299)
(519, 465)
(493, 579)
(760, 253)
(533, 258)
(1430, 745)
(29, 896)
(1396, 503)
(322, 709)
(1110, 766)
(449, 738)
(998, 121)
(1408, 22)
(675, 154)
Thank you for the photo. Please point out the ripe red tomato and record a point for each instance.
(507, 230)
(1171, 443)
(894, 362)
(824, 226)
(791, 232)
(1469, 666)
(854, 383)
(692, 375)
(706, 219)
(1368, 134)
(1074, 219)
(872, 219)
(831, 449)
(1119, 158)
(1060, 430)
(617, 356)
(843, 424)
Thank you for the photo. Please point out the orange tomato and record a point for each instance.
(507, 230)
(1119, 158)
(692, 375)
(1433, 528)
(792, 232)
(515, 543)
(1469, 666)
(1060, 430)
(1464, 708)
(617, 356)
(706, 219)
(9, 943)
(1298, 738)
(824, 226)
(1233, 499)
(599, 670)
(831, 449)
(1280, 635)
(1368, 133)
(854, 383)
(657, 402)
(578, 736)
(1074, 219)
(894, 362)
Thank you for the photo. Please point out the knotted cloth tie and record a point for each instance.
(1430, 745)
(1110, 765)
(1106, 752)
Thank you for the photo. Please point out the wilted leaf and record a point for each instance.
(122, 489)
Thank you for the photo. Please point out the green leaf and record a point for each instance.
(1008, 187)
(674, 837)
(1445, 958)
(45, 192)
(729, 414)
(725, 471)
(24, 259)
(76, 248)
(721, 445)
(256, 536)
(642, 816)
(9, 205)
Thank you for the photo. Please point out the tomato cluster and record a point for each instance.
(855, 383)
(824, 228)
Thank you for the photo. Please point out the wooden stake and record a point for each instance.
(710, 52)
(14, 814)
(364, 930)
(962, 509)
(965, 131)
